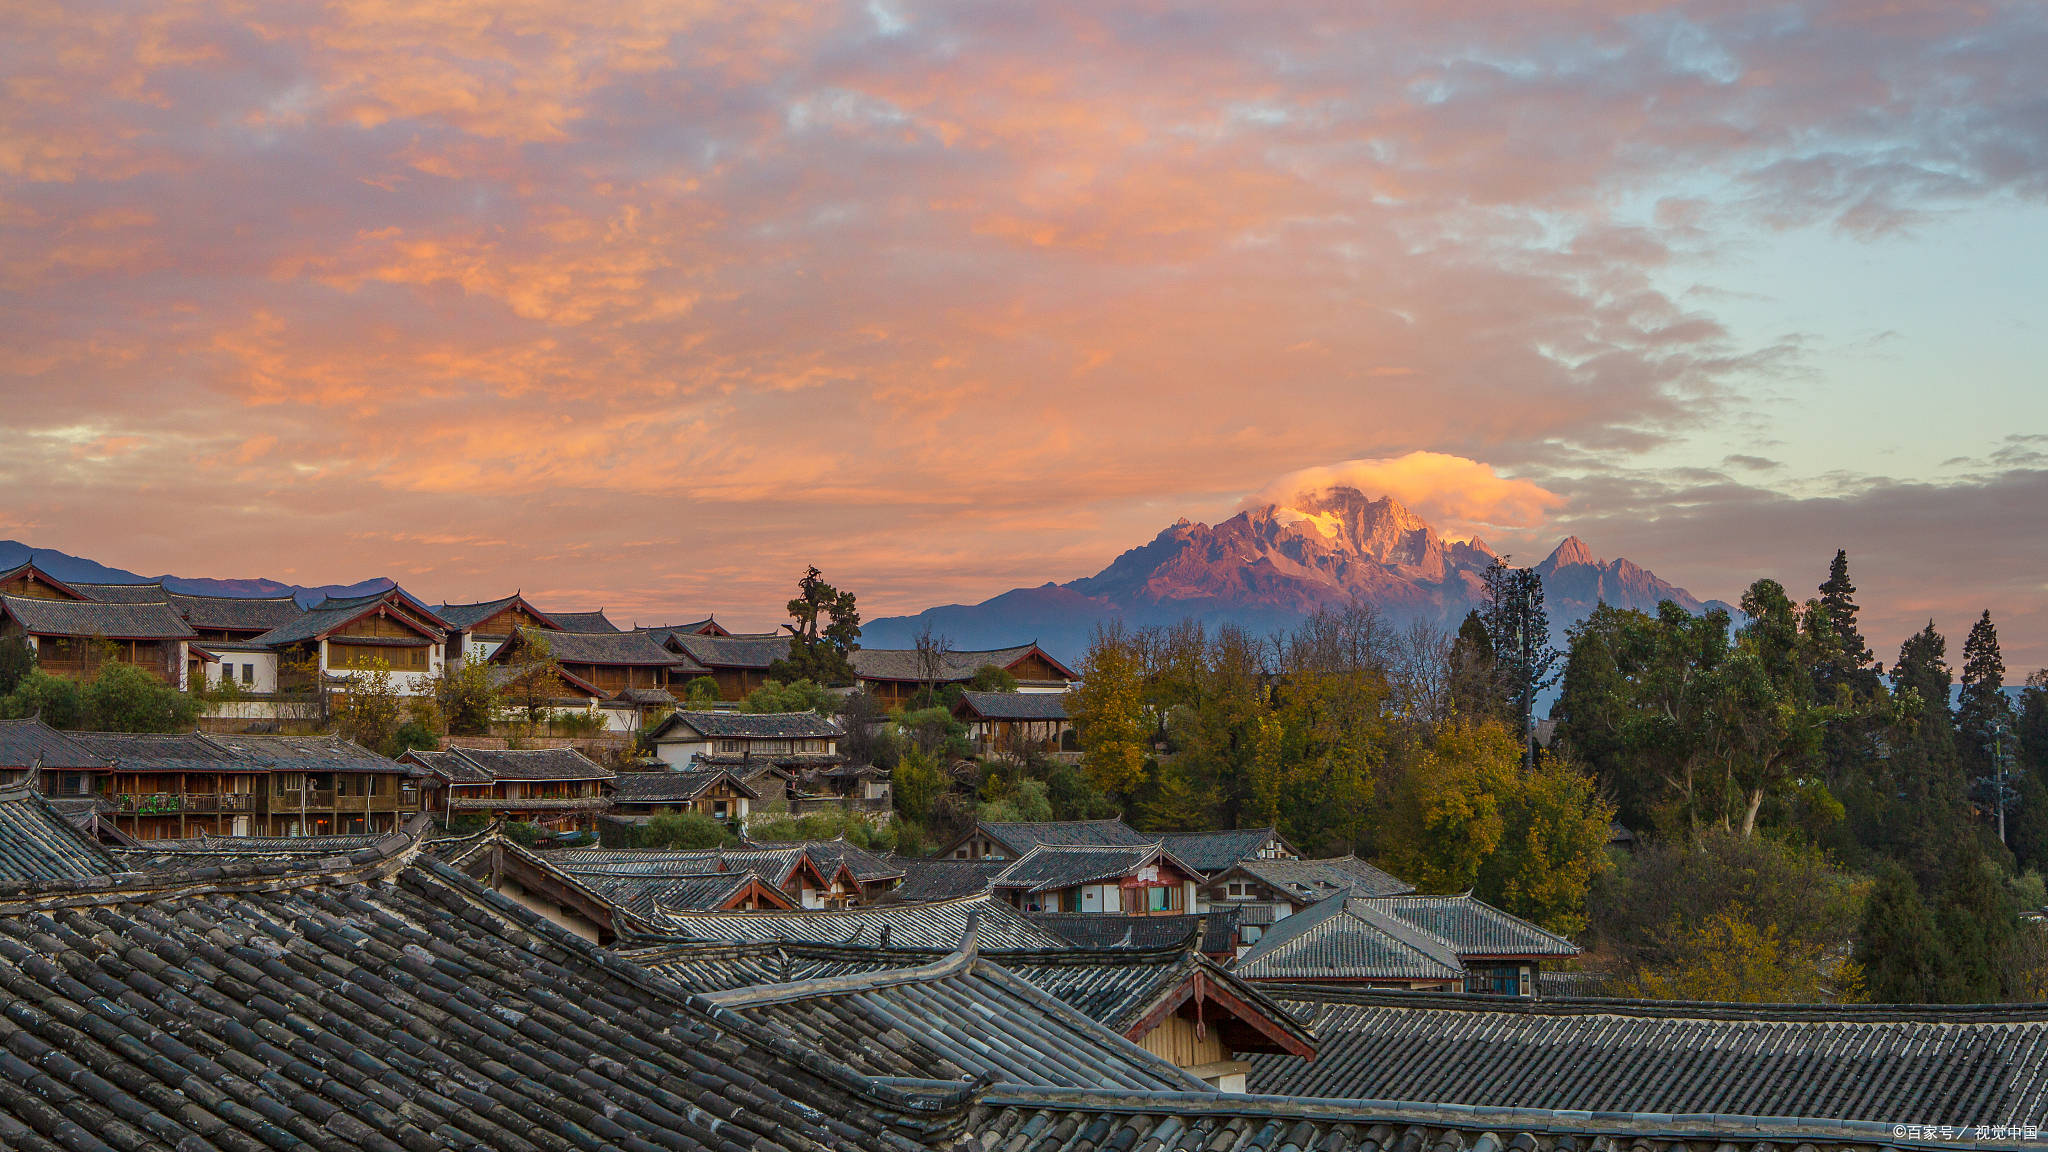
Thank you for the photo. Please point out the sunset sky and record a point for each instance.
(648, 305)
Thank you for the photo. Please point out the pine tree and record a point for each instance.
(1474, 692)
(1922, 785)
(1980, 935)
(1841, 658)
(1983, 714)
(1524, 660)
(1896, 946)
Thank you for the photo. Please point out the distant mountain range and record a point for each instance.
(1265, 568)
(69, 568)
(1269, 566)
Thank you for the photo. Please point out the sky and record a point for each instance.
(648, 305)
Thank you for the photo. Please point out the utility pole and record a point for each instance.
(1998, 771)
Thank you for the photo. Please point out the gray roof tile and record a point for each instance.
(1018, 706)
(27, 742)
(153, 621)
(1834, 1062)
(37, 844)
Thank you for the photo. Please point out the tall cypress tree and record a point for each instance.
(1896, 946)
(1841, 658)
(1979, 932)
(1922, 783)
(1982, 709)
(1524, 660)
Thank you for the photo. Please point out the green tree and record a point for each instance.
(1980, 933)
(1842, 660)
(1525, 662)
(1475, 688)
(1553, 845)
(536, 678)
(1926, 811)
(371, 711)
(468, 702)
(17, 660)
(124, 698)
(1897, 949)
(824, 636)
(701, 692)
(1027, 801)
(1767, 725)
(989, 678)
(683, 830)
(1108, 711)
(934, 731)
(915, 785)
(1782, 913)
(53, 698)
(796, 696)
(1447, 815)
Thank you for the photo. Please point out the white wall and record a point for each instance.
(230, 668)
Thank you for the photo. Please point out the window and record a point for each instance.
(1158, 899)
(1236, 889)
(1494, 981)
(248, 673)
(366, 656)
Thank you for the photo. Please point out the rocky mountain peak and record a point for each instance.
(1570, 552)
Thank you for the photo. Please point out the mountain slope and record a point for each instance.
(1269, 566)
(69, 568)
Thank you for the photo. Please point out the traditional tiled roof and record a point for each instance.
(37, 844)
(491, 765)
(35, 574)
(1969, 1065)
(750, 653)
(200, 851)
(938, 924)
(147, 592)
(289, 1007)
(236, 613)
(1015, 706)
(467, 616)
(753, 725)
(1053, 867)
(958, 1018)
(30, 741)
(337, 611)
(1022, 837)
(695, 891)
(942, 878)
(1309, 881)
(155, 621)
(906, 664)
(1217, 929)
(1020, 1119)
(220, 752)
(1475, 927)
(832, 855)
(1212, 852)
(624, 649)
(780, 867)
(230, 613)
(582, 621)
(1348, 939)
(673, 787)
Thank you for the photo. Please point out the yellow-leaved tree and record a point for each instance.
(1109, 712)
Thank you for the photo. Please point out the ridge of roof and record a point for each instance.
(375, 862)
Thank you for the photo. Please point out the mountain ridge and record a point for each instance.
(1271, 564)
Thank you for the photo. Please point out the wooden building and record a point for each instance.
(480, 629)
(1135, 880)
(894, 675)
(31, 582)
(737, 664)
(341, 638)
(1007, 840)
(166, 786)
(1013, 724)
(630, 673)
(559, 789)
(638, 797)
(74, 638)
